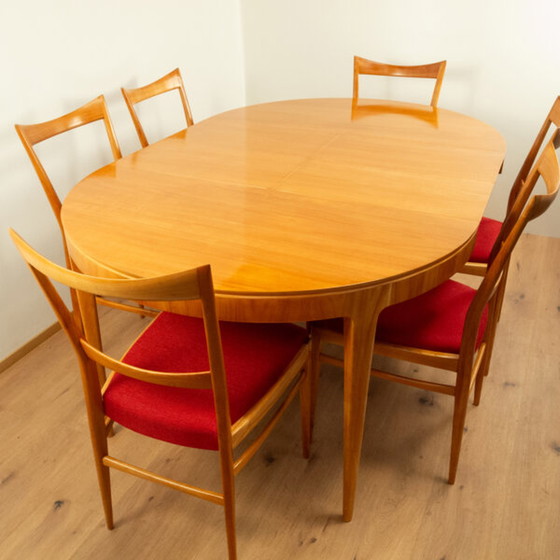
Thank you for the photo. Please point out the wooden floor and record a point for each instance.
(505, 504)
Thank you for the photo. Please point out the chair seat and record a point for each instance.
(432, 321)
(255, 356)
(486, 235)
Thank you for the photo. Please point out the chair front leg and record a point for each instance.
(459, 417)
(228, 485)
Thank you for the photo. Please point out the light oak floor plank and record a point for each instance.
(505, 504)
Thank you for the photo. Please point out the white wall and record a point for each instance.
(503, 60)
(57, 55)
(503, 67)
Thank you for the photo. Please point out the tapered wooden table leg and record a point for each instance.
(358, 351)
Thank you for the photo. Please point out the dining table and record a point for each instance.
(305, 209)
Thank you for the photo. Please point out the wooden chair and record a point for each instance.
(489, 230)
(188, 381)
(453, 326)
(33, 134)
(169, 82)
(435, 71)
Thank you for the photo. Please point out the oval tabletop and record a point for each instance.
(305, 209)
(291, 197)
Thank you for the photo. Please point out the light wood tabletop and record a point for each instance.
(305, 209)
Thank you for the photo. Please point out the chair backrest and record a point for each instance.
(524, 210)
(83, 330)
(435, 71)
(169, 82)
(32, 134)
(546, 167)
(553, 118)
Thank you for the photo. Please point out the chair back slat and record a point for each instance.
(553, 118)
(32, 134)
(169, 82)
(435, 70)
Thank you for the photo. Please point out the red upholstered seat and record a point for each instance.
(431, 321)
(255, 356)
(486, 235)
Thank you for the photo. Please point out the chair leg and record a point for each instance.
(228, 485)
(101, 450)
(483, 371)
(104, 479)
(308, 397)
(478, 388)
(501, 294)
(485, 366)
(306, 424)
(314, 371)
(99, 444)
(459, 416)
(229, 506)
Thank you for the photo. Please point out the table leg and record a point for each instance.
(359, 334)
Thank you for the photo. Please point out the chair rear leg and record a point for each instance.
(307, 395)
(487, 358)
(483, 372)
(313, 374)
(501, 294)
(478, 388)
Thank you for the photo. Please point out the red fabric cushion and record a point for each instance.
(486, 235)
(255, 356)
(431, 321)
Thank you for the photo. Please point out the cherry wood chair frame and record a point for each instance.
(552, 119)
(169, 82)
(33, 134)
(434, 70)
(472, 362)
(83, 333)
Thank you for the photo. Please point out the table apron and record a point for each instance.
(313, 307)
